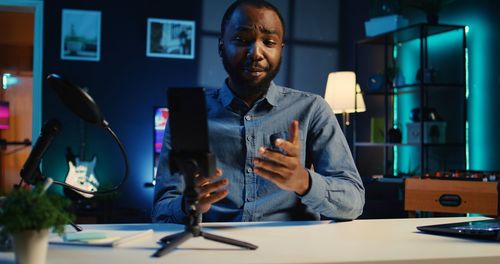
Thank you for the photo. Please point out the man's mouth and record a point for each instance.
(254, 71)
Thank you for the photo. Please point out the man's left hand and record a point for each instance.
(284, 170)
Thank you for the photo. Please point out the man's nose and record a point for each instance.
(254, 51)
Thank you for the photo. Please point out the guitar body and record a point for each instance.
(81, 172)
(81, 175)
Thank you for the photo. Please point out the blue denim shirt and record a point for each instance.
(236, 132)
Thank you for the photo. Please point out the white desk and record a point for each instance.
(360, 241)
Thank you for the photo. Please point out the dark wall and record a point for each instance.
(126, 85)
(352, 17)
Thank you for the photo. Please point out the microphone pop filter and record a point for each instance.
(76, 99)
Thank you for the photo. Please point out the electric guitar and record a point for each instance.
(81, 172)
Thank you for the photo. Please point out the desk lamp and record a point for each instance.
(344, 95)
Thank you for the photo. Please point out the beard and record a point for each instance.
(249, 88)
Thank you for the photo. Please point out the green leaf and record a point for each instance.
(25, 209)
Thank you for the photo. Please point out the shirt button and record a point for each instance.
(249, 170)
(249, 138)
(249, 199)
(248, 118)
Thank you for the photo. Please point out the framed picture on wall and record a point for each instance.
(169, 38)
(80, 35)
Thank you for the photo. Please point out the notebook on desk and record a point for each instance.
(482, 229)
(101, 238)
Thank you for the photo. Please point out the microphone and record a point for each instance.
(30, 168)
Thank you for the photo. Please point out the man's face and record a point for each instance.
(251, 49)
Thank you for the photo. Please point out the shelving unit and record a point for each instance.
(429, 66)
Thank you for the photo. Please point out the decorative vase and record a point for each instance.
(31, 246)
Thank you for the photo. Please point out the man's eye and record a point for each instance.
(270, 43)
(239, 40)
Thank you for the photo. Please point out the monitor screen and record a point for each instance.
(160, 120)
(4, 115)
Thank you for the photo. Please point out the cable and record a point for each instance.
(20, 182)
(4, 143)
(5, 153)
(125, 158)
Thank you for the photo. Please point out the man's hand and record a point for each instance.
(284, 170)
(209, 191)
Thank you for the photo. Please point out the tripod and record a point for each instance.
(190, 170)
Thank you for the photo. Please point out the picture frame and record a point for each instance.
(170, 38)
(80, 35)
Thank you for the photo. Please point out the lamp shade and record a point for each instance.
(340, 90)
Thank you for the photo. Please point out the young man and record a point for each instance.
(267, 138)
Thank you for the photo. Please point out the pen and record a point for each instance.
(76, 227)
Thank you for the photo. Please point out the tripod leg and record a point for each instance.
(171, 244)
(228, 241)
(174, 237)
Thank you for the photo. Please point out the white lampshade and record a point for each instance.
(340, 92)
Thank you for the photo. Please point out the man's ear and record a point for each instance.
(221, 47)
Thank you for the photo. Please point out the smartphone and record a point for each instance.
(189, 131)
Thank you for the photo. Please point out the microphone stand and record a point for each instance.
(189, 168)
(46, 184)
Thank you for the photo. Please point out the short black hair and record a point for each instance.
(256, 3)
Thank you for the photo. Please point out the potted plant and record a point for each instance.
(27, 214)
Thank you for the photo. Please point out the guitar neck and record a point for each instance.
(83, 139)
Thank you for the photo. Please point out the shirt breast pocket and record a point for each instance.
(272, 141)
(285, 135)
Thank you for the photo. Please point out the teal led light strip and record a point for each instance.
(467, 163)
(395, 105)
(395, 117)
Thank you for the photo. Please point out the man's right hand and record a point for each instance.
(209, 191)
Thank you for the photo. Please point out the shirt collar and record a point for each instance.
(272, 94)
(227, 96)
